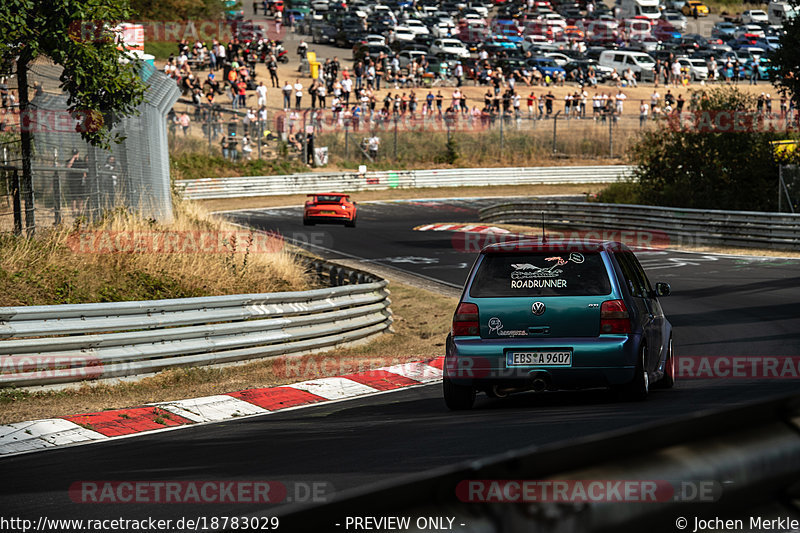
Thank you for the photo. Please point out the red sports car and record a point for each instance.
(330, 207)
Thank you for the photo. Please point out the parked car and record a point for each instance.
(547, 66)
(449, 46)
(723, 30)
(557, 315)
(640, 63)
(676, 19)
(691, 5)
(697, 68)
(755, 16)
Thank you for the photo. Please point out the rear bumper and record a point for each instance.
(596, 362)
(330, 217)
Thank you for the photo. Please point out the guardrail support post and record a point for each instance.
(611, 136)
(56, 199)
(555, 130)
(18, 203)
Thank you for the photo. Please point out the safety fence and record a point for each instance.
(353, 181)
(665, 224)
(56, 344)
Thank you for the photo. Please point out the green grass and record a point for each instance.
(160, 49)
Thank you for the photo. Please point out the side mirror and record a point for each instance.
(663, 289)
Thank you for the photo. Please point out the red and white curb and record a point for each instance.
(22, 437)
(465, 228)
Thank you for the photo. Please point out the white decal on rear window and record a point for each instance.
(526, 275)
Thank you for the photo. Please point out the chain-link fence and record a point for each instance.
(70, 177)
(789, 189)
(349, 137)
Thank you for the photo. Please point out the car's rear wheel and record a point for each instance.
(351, 223)
(639, 387)
(307, 222)
(668, 381)
(458, 397)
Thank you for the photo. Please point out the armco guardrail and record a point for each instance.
(350, 181)
(50, 344)
(695, 227)
(705, 464)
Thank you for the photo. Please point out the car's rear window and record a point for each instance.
(329, 199)
(540, 274)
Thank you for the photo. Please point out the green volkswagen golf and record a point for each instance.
(555, 315)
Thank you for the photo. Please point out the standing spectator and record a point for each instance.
(322, 92)
(272, 66)
(241, 88)
(298, 93)
(76, 180)
(247, 149)
(644, 110)
(620, 101)
(347, 87)
(287, 96)
(358, 72)
(675, 77)
(261, 92)
(379, 72)
(184, 122)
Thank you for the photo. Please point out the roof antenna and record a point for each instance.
(544, 237)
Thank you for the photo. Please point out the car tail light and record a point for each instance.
(614, 317)
(465, 321)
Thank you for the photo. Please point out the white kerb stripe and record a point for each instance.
(421, 372)
(211, 408)
(425, 227)
(334, 388)
(24, 436)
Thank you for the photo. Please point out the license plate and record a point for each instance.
(328, 212)
(540, 358)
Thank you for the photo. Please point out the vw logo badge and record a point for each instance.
(537, 308)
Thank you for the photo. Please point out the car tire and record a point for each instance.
(350, 223)
(639, 386)
(668, 381)
(307, 222)
(458, 397)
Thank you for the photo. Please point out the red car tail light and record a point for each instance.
(465, 321)
(614, 317)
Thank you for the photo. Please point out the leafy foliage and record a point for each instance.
(76, 35)
(718, 169)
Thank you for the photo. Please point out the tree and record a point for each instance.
(95, 75)
(722, 159)
(787, 58)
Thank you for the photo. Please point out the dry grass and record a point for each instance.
(421, 323)
(87, 263)
(230, 204)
